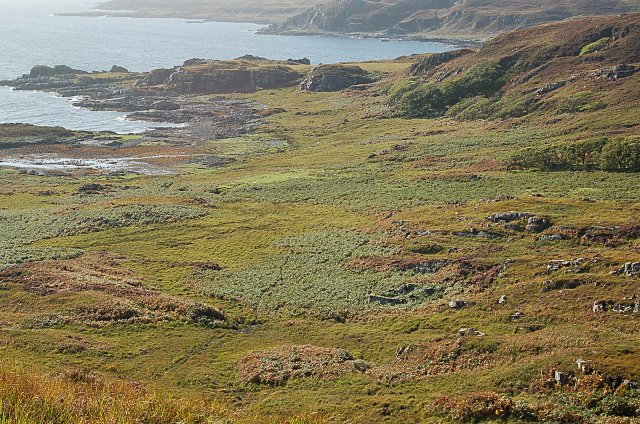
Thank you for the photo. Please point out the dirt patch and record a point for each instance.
(283, 363)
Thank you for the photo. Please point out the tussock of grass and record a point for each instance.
(79, 397)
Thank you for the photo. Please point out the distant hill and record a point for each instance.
(443, 17)
(267, 11)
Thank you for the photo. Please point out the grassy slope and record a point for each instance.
(348, 184)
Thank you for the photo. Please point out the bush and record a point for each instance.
(426, 99)
(621, 156)
(596, 46)
(579, 156)
(581, 102)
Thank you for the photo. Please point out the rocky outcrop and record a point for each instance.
(40, 71)
(429, 63)
(334, 78)
(616, 72)
(155, 77)
(119, 70)
(215, 77)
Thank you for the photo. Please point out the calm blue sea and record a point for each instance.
(31, 34)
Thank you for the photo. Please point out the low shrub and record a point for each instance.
(596, 46)
(474, 407)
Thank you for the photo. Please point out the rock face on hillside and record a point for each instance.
(216, 77)
(398, 17)
(334, 78)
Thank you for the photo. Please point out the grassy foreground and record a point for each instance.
(370, 266)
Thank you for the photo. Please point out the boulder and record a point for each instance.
(561, 378)
(599, 306)
(516, 316)
(502, 300)
(537, 224)
(457, 304)
(334, 78)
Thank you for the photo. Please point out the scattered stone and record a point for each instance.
(468, 332)
(627, 308)
(457, 304)
(502, 300)
(517, 315)
(537, 224)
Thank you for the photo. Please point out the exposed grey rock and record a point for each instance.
(551, 237)
(502, 300)
(630, 269)
(430, 267)
(508, 216)
(551, 87)
(556, 265)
